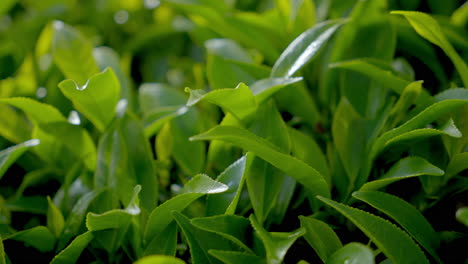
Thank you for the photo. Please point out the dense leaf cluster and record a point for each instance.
(233, 131)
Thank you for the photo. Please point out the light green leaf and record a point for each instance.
(406, 215)
(38, 112)
(73, 53)
(304, 48)
(2, 252)
(295, 168)
(159, 260)
(226, 202)
(117, 218)
(55, 221)
(96, 99)
(10, 155)
(238, 101)
(394, 243)
(265, 88)
(352, 253)
(403, 169)
(38, 237)
(374, 69)
(276, 243)
(320, 237)
(429, 29)
(161, 216)
(462, 215)
(5, 7)
(72, 252)
(235, 257)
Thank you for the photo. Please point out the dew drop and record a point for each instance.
(121, 17)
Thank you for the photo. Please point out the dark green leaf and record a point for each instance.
(161, 216)
(234, 257)
(462, 215)
(73, 251)
(320, 237)
(395, 243)
(403, 169)
(405, 215)
(276, 244)
(39, 237)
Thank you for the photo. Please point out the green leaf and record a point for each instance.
(304, 48)
(38, 112)
(403, 169)
(96, 99)
(55, 221)
(374, 70)
(117, 218)
(429, 29)
(38, 237)
(235, 257)
(161, 216)
(228, 64)
(73, 53)
(320, 237)
(395, 243)
(445, 102)
(5, 7)
(276, 243)
(349, 135)
(72, 252)
(200, 241)
(295, 168)
(405, 215)
(164, 243)
(462, 215)
(226, 202)
(76, 217)
(2, 252)
(76, 139)
(231, 227)
(265, 182)
(352, 253)
(125, 160)
(306, 149)
(159, 260)
(156, 119)
(10, 155)
(265, 88)
(238, 101)
(457, 164)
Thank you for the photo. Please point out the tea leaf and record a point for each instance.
(394, 243)
(352, 253)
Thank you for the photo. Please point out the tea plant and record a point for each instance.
(209, 131)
